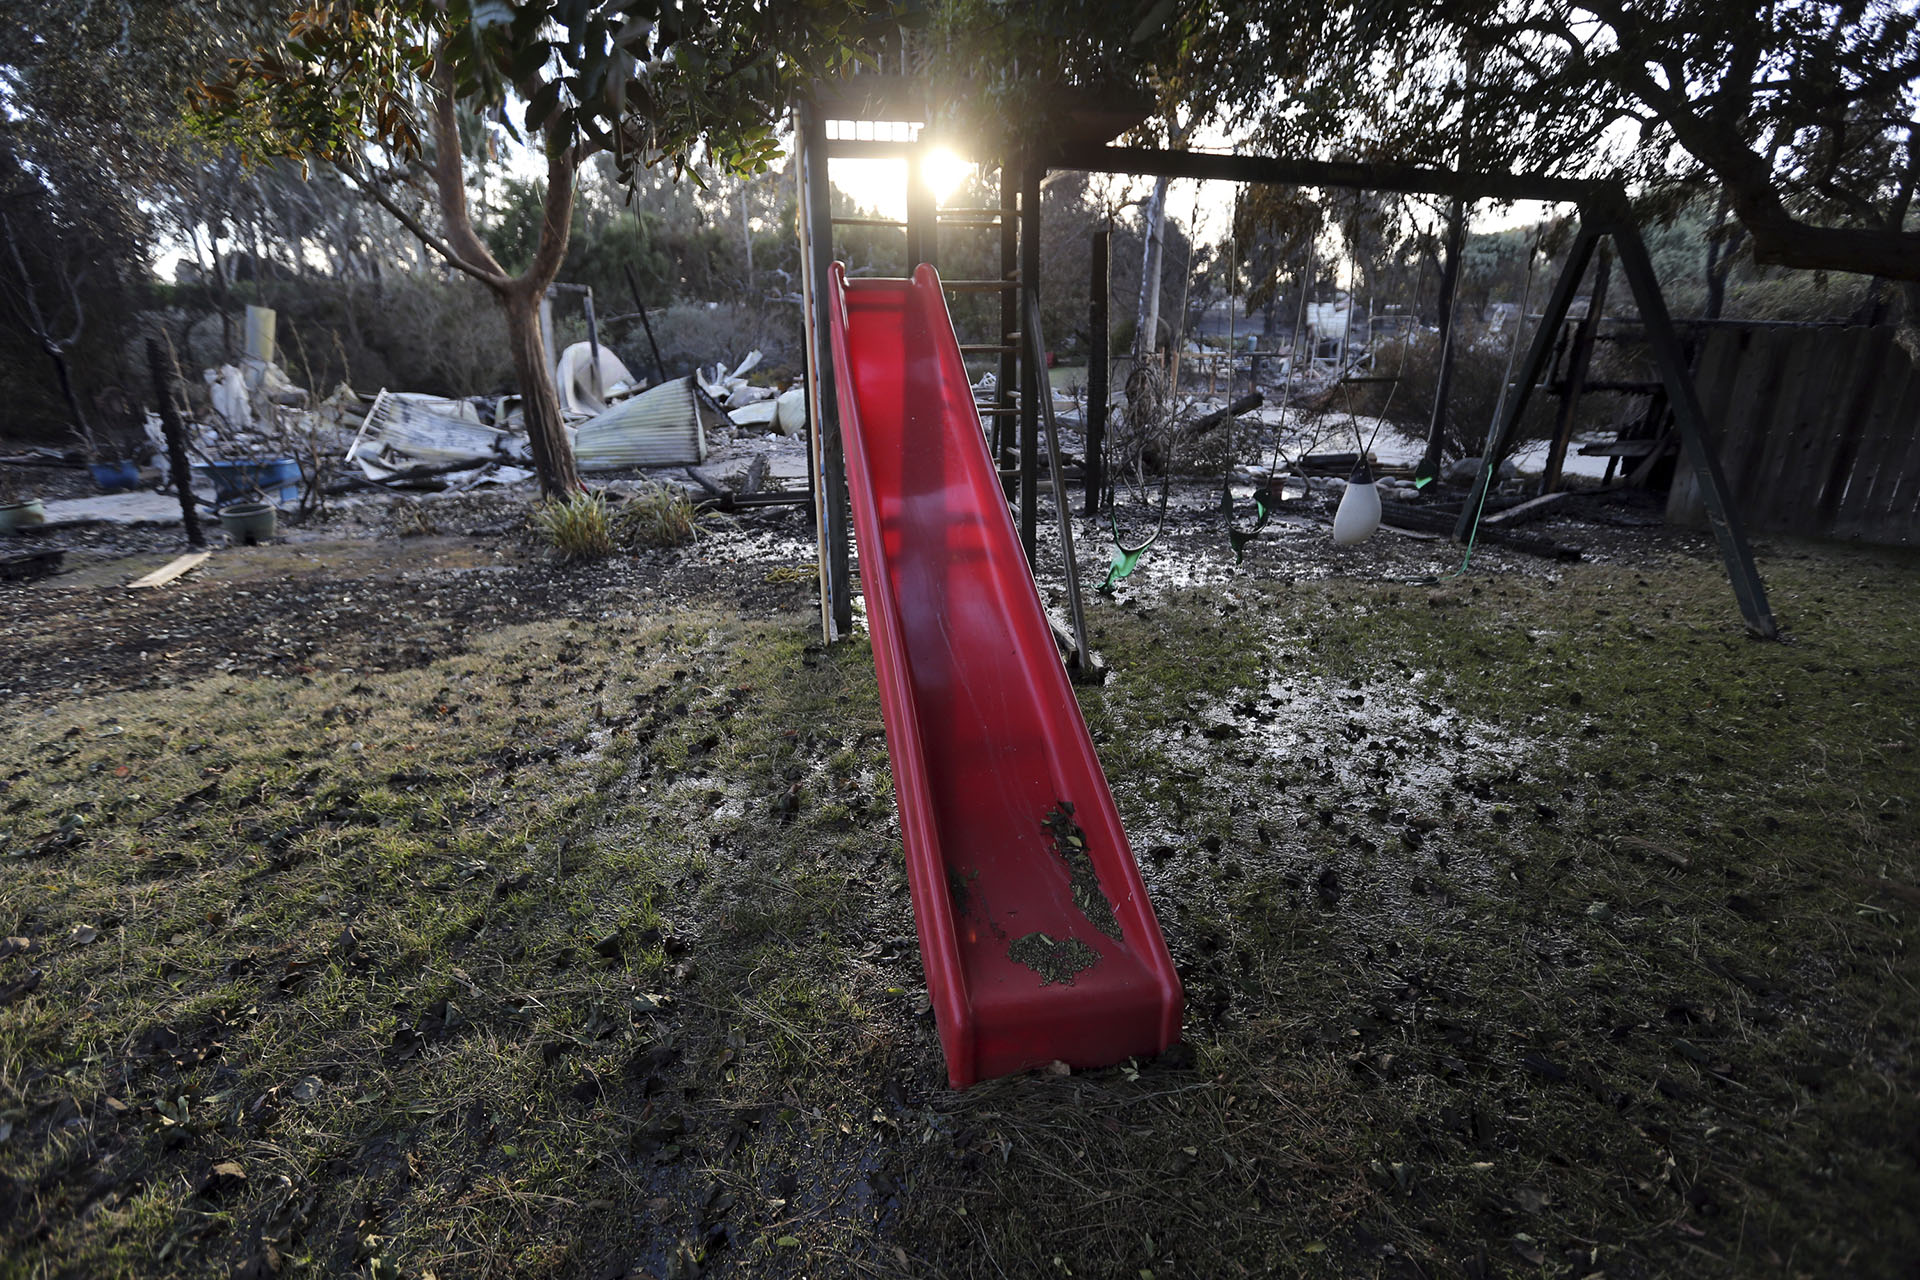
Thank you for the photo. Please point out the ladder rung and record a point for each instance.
(973, 213)
(986, 412)
(867, 222)
(967, 349)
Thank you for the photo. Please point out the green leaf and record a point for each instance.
(528, 59)
(543, 103)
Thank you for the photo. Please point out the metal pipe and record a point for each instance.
(1034, 382)
(1059, 490)
(593, 340)
(830, 509)
(1096, 367)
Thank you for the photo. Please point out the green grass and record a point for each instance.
(578, 527)
(1533, 925)
(659, 515)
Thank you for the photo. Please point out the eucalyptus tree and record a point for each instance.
(1803, 113)
(378, 87)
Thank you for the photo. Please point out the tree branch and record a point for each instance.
(556, 220)
(1782, 241)
(492, 279)
(449, 173)
(1729, 105)
(27, 299)
(73, 284)
(1856, 204)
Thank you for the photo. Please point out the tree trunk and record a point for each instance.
(539, 399)
(519, 295)
(1429, 465)
(1146, 320)
(176, 436)
(81, 428)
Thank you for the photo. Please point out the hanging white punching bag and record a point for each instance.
(1359, 512)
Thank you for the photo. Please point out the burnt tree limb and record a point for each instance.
(176, 436)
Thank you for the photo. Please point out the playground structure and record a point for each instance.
(1036, 934)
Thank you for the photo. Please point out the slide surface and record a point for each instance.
(1035, 931)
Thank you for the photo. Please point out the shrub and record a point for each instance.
(660, 515)
(579, 528)
(704, 334)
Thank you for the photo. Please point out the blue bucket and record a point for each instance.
(112, 477)
(277, 479)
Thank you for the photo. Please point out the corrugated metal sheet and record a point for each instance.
(573, 375)
(662, 426)
(428, 430)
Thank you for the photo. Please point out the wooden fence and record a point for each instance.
(1819, 431)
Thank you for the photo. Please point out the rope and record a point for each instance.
(1500, 408)
(1265, 501)
(1126, 558)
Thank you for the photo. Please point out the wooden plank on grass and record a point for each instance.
(172, 569)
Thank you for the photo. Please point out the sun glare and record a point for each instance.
(879, 186)
(945, 172)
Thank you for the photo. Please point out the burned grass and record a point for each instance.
(1531, 924)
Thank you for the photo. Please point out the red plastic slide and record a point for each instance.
(1035, 930)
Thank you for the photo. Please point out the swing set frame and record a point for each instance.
(1603, 211)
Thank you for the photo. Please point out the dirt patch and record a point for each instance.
(322, 600)
(1054, 959)
(1070, 843)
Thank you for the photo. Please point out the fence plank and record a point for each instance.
(1897, 519)
(1882, 451)
(1714, 376)
(1852, 419)
(1778, 419)
(1819, 431)
(1733, 379)
(1806, 449)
